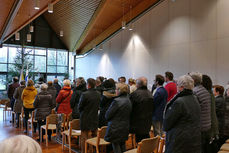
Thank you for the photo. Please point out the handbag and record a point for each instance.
(58, 105)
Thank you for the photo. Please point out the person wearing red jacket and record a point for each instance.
(170, 87)
(63, 99)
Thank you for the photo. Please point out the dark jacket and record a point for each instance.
(52, 91)
(204, 99)
(220, 112)
(11, 89)
(182, 124)
(43, 105)
(226, 117)
(58, 88)
(142, 111)
(63, 100)
(105, 103)
(17, 96)
(159, 100)
(118, 117)
(214, 121)
(77, 91)
(88, 108)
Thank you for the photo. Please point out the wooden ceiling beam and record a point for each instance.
(41, 11)
(10, 18)
(140, 8)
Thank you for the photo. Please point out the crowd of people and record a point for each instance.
(191, 112)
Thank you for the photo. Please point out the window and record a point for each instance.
(3, 67)
(40, 64)
(62, 69)
(3, 55)
(51, 57)
(62, 58)
(51, 77)
(51, 69)
(40, 51)
(2, 82)
(12, 54)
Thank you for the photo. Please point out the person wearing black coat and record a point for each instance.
(57, 86)
(142, 110)
(77, 91)
(118, 117)
(43, 106)
(52, 90)
(88, 108)
(182, 120)
(106, 100)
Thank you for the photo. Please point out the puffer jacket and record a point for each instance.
(142, 111)
(52, 91)
(77, 91)
(105, 103)
(204, 99)
(28, 96)
(18, 102)
(118, 117)
(182, 124)
(220, 112)
(63, 99)
(43, 105)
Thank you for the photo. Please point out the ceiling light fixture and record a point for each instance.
(61, 33)
(17, 36)
(29, 37)
(31, 28)
(130, 27)
(101, 47)
(37, 5)
(123, 25)
(123, 20)
(50, 8)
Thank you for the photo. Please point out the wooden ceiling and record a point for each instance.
(85, 23)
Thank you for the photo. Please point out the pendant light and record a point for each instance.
(31, 28)
(123, 21)
(29, 37)
(131, 25)
(17, 36)
(101, 47)
(61, 33)
(50, 8)
(37, 5)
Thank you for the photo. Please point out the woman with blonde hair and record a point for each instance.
(28, 97)
(63, 98)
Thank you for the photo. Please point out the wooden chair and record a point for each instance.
(97, 141)
(161, 144)
(151, 133)
(149, 145)
(21, 118)
(223, 152)
(51, 122)
(6, 109)
(69, 118)
(32, 121)
(74, 130)
(225, 147)
(133, 140)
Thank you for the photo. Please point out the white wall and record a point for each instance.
(180, 36)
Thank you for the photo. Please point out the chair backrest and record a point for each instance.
(101, 134)
(75, 124)
(161, 145)
(149, 145)
(69, 118)
(51, 119)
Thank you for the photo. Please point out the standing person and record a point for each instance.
(88, 108)
(43, 106)
(220, 112)
(170, 87)
(132, 85)
(118, 117)
(98, 85)
(142, 110)
(106, 100)
(214, 132)
(57, 86)
(204, 99)
(63, 99)
(77, 91)
(159, 100)
(10, 93)
(52, 90)
(18, 102)
(28, 97)
(182, 120)
(226, 116)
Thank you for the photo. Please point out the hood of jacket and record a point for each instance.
(32, 88)
(109, 93)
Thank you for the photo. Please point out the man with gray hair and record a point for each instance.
(20, 144)
(204, 99)
(142, 110)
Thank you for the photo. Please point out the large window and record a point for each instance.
(51, 63)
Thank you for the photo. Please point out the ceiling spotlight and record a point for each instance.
(123, 25)
(101, 47)
(37, 5)
(29, 37)
(50, 8)
(130, 27)
(31, 28)
(61, 33)
(17, 36)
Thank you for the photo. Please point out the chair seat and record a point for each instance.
(227, 141)
(132, 151)
(50, 126)
(225, 147)
(74, 132)
(92, 141)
